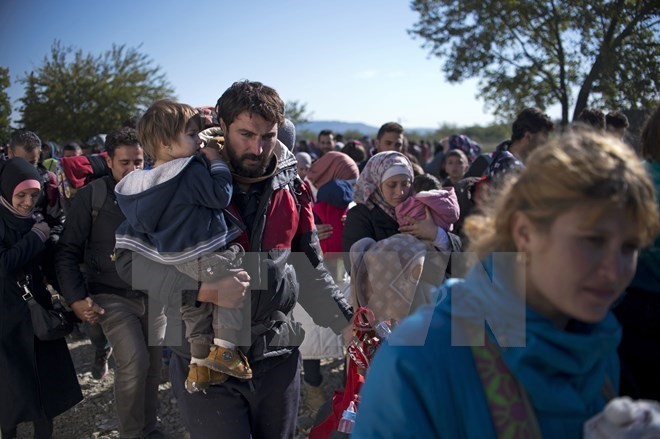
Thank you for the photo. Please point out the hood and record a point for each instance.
(562, 369)
(141, 193)
(286, 166)
(338, 193)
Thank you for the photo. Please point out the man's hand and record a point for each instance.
(87, 310)
(228, 292)
(324, 231)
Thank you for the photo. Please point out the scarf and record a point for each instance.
(333, 165)
(563, 371)
(367, 189)
(16, 174)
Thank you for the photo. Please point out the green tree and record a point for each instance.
(296, 112)
(540, 53)
(5, 106)
(73, 95)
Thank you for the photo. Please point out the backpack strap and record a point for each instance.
(298, 189)
(504, 394)
(99, 194)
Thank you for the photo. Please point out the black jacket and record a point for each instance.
(362, 222)
(91, 242)
(280, 274)
(36, 377)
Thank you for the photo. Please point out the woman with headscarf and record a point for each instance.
(386, 182)
(332, 178)
(37, 377)
(396, 266)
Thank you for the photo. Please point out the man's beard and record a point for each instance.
(237, 161)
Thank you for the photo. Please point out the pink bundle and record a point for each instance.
(442, 203)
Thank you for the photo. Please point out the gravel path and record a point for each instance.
(95, 416)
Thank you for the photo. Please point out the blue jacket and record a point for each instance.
(174, 212)
(647, 277)
(423, 385)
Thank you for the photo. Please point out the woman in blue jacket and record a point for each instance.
(555, 250)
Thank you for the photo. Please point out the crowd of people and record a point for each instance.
(522, 286)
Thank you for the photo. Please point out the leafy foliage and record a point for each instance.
(540, 53)
(73, 95)
(296, 112)
(5, 106)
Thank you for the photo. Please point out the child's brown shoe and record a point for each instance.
(200, 378)
(229, 361)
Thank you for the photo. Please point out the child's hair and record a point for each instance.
(426, 182)
(580, 168)
(163, 122)
(456, 153)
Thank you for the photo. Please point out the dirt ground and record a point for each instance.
(95, 416)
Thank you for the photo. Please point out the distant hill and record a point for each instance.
(342, 127)
(337, 127)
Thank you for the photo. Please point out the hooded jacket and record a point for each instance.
(282, 258)
(174, 212)
(332, 201)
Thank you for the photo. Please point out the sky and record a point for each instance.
(350, 61)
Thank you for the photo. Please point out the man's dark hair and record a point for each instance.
(388, 127)
(124, 136)
(426, 182)
(592, 117)
(326, 133)
(71, 146)
(616, 119)
(355, 150)
(530, 120)
(28, 140)
(253, 97)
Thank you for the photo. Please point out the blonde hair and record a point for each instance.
(576, 169)
(163, 122)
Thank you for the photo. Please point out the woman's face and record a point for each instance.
(396, 189)
(574, 270)
(25, 200)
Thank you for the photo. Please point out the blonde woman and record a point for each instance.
(555, 250)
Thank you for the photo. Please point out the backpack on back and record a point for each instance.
(75, 172)
(99, 194)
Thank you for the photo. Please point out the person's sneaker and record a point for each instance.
(229, 361)
(100, 366)
(200, 378)
(314, 398)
